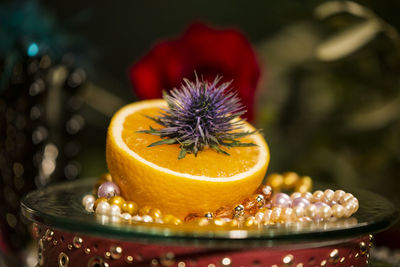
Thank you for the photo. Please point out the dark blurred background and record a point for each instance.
(328, 100)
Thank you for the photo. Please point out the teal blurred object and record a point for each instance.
(40, 113)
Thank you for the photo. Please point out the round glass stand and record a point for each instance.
(59, 206)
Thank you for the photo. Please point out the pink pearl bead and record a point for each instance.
(108, 189)
(281, 200)
(320, 204)
(300, 202)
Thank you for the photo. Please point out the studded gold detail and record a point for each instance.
(40, 252)
(49, 235)
(300, 264)
(288, 260)
(371, 240)
(181, 264)
(77, 242)
(342, 259)
(356, 255)
(63, 260)
(168, 259)
(116, 252)
(87, 251)
(69, 246)
(334, 256)
(55, 242)
(363, 248)
(107, 254)
(97, 261)
(154, 262)
(226, 261)
(323, 263)
(129, 259)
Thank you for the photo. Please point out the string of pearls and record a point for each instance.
(110, 204)
(264, 207)
(317, 206)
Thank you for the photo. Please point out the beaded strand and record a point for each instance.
(267, 206)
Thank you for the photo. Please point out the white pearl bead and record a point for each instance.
(115, 219)
(318, 196)
(159, 220)
(267, 215)
(287, 214)
(259, 216)
(299, 211)
(329, 194)
(114, 210)
(147, 218)
(348, 210)
(87, 199)
(137, 218)
(276, 214)
(311, 210)
(126, 216)
(89, 206)
(338, 211)
(295, 195)
(324, 212)
(338, 195)
(103, 208)
(267, 190)
(346, 197)
(307, 195)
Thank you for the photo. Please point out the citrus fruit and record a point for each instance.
(154, 176)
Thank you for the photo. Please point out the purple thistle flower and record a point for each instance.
(201, 114)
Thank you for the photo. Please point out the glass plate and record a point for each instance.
(59, 206)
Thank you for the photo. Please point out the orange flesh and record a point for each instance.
(208, 162)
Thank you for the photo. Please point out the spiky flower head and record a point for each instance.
(201, 114)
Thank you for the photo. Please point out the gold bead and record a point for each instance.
(100, 199)
(275, 180)
(290, 180)
(167, 218)
(144, 210)
(87, 250)
(171, 219)
(176, 221)
(155, 213)
(107, 254)
(130, 207)
(117, 200)
(304, 184)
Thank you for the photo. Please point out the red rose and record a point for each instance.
(207, 51)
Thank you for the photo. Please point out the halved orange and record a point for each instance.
(154, 176)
